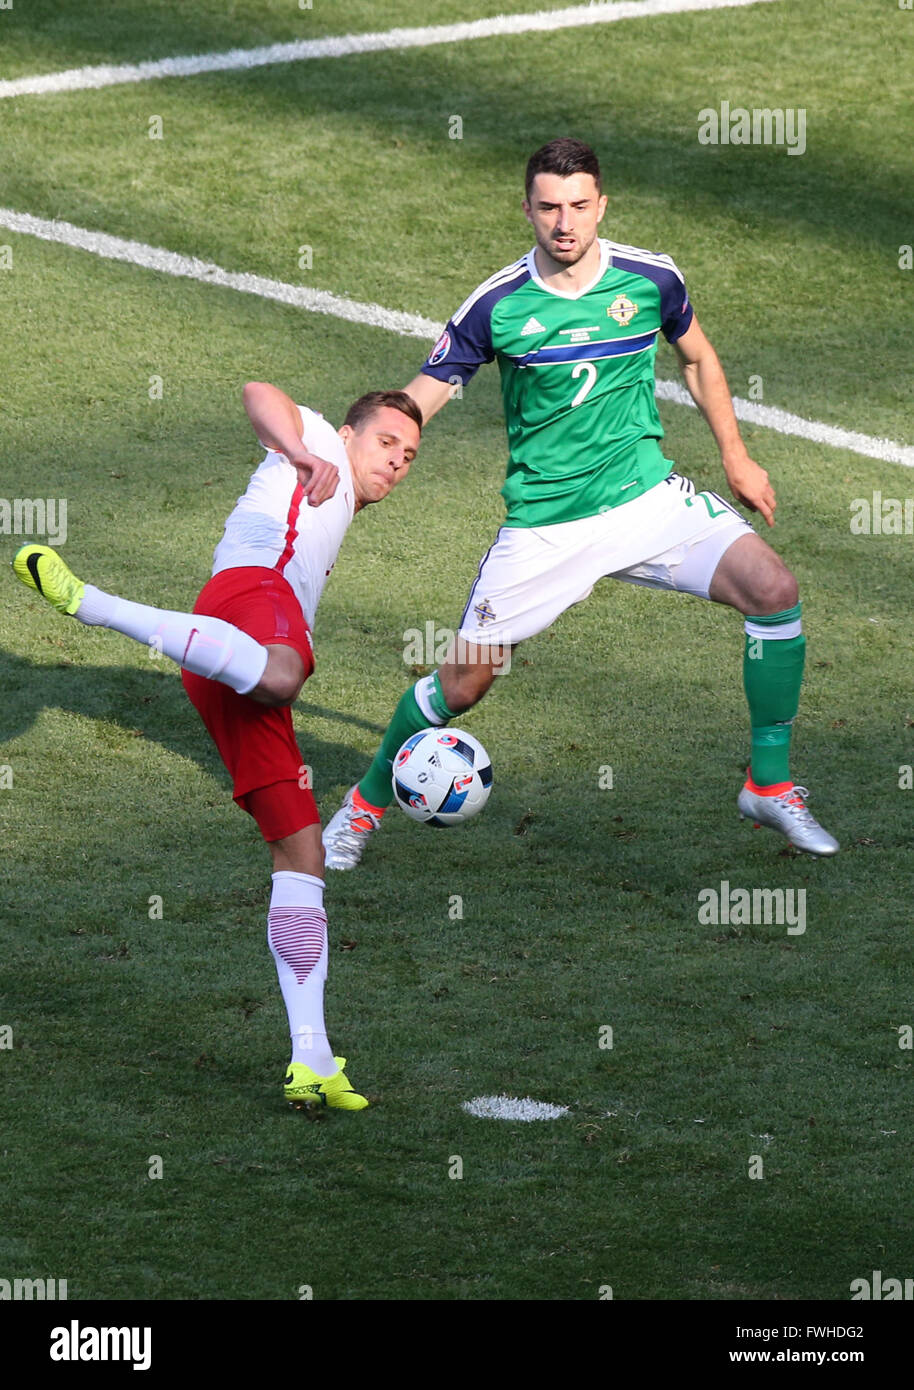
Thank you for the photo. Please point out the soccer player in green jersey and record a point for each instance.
(573, 326)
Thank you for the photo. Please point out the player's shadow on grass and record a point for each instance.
(156, 707)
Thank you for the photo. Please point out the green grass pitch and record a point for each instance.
(135, 1036)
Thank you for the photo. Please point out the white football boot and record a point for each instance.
(347, 834)
(789, 814)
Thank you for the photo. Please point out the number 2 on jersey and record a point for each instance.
(591, 372)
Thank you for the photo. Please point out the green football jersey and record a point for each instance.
(577, 379)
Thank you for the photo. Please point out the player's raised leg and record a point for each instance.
(752, 578)
(242, 689)
(205, 645)
(455, 686)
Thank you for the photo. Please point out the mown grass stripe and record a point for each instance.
(345, 45)
(407, 325)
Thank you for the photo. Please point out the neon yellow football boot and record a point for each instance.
(305, 1090)
(42, 569)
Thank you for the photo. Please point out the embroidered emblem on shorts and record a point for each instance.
(484, 612)
(622, 310)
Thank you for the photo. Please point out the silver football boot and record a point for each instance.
(789, 814)
(346, 835)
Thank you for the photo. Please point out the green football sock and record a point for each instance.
(772, 675)
(409, 718)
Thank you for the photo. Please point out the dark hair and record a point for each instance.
(361, 411)
(563, 157)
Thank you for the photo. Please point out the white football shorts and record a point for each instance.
(671, 537)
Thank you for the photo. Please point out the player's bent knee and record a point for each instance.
(464, 697)
(778, 592)
(300, 853)
(287, 694)
(277, 695)
(283, 678)
(465, 686)
(466, 680)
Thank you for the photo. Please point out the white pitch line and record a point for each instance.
(344, 45)
(115, 248)
(137, 253)
(783, 422)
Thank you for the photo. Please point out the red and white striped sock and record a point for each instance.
(297, 936)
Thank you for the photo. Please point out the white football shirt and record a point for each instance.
(273, 525)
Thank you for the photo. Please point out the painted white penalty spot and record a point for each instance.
(510, 1108)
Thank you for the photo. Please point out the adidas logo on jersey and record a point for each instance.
(532, 326)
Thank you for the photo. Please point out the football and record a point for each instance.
(442, 776)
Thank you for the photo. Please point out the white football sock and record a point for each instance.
(297, 936)
(207, 646)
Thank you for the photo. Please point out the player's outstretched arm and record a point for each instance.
(277, 424)
(707, 385)
(429, 394)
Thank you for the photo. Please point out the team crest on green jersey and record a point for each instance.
(622, 310)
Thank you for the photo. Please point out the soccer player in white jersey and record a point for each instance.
(246, 652)
(574, 326)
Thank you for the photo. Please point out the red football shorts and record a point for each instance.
(257, 742)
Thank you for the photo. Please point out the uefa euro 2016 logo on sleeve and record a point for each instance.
(440, 350)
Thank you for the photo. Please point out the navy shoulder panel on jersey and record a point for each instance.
(466, 342)
(676, 312)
